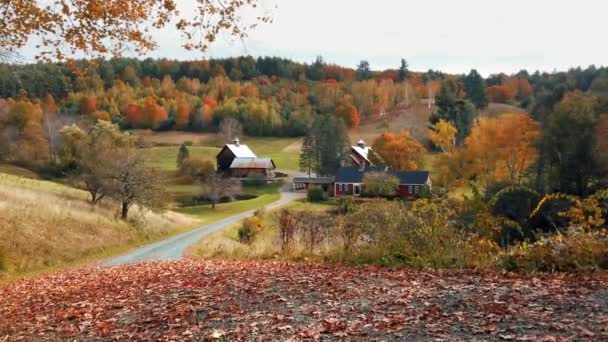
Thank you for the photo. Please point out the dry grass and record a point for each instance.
(225, 244)
(415, 119)
(50, 225)
(495, 109)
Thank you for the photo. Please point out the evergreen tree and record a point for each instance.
(182, 155)
(363, 71)
(307, 155)
(475, 89)
(403, 71)
(331, 144)
(454, 109)
(570, 134)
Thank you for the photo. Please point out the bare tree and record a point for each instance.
(132, 182)
(230, 128)
(217, 187)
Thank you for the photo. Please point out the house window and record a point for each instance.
(417, 189)
(410, 189)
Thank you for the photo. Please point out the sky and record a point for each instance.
(448, 35)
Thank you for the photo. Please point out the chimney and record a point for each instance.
(236, 141)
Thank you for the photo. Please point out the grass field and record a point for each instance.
(266, 194)
(46, 225)
(284, 151)
(17, 171)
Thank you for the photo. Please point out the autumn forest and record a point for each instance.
(256, 197)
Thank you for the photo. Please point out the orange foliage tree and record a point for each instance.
(100, 28)
(499, 93)
(349, 114)
(88, 104)
(400, 151)
(502, 148)
(182, 114)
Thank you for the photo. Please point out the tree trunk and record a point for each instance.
(212, 204)
(124, 211)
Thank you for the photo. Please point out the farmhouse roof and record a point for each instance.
(353, 174)
(241, 151)
(313, 180)
(411, 177)
(252, 163)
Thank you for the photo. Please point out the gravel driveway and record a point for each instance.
(174, 247)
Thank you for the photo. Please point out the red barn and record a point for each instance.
(237, 160)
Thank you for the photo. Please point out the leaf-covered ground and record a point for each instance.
(195, 300)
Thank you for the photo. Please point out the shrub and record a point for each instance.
(380, 184)
(251, 227)
(546, 216)
(315, 194)
(346, 205)
(573, 251)
(287, 228)
(514, 202)
(196, 170)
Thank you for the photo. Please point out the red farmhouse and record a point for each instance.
(349, 181)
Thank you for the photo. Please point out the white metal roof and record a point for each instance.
(252, 163)
(241, 151)
(362, 151)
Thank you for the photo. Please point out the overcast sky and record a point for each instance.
(448, 35)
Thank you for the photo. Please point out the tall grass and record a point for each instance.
(45, 225)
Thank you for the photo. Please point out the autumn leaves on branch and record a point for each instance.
(100, 28)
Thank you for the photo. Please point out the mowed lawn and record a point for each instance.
(265, 194)
(284, 151)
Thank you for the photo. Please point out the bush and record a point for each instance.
(346, 205)
(574, 251)
(196, 170)
(514, 202)
(546, 216)
(315, 194)
(251, 227)
(380, 184)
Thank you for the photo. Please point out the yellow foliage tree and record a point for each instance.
(443, 135)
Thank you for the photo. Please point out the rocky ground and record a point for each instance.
(268, 301)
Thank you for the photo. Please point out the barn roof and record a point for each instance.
(362, 150)
(353, 174)
(252, 163)
(241, 151)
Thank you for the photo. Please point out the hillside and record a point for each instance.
(229, 301)
(45, 225)
(416, 120)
